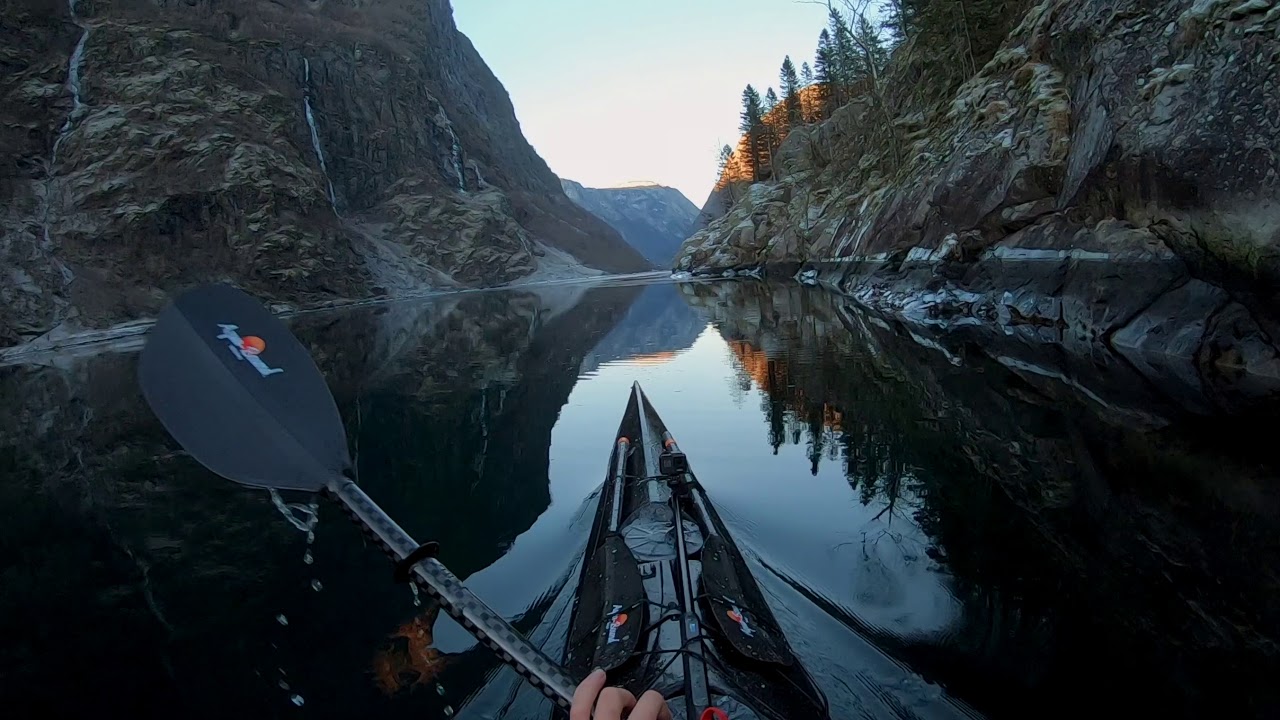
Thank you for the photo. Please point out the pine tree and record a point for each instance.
(751, 125)
(770, 100)
(806, 74)
(901, 20)
(842, 69)
(751, 110)
(790, 92)
(824, 74)
(871, 55)
(722, 162)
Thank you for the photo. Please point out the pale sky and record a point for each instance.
(611, 91)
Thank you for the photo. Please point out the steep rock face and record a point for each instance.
(1109, 154)
(718, 203)
(653, 219)
(302, 150)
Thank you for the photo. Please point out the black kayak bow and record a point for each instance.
(238, 391)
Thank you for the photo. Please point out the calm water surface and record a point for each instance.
(941, 532)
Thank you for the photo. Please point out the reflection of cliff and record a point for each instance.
(1138, 563)
(140, 580)
(657, 327)
(456, 436)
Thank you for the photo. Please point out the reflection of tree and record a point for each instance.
(409, 659)
(901, 453)
(775, 408)
(1083, 552)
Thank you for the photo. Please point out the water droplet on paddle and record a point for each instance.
(439, 689)
(297, 700)
(448, 711)
(283, 685)
(307, 558)
(302, 517)
(315, 585)
(282, 619)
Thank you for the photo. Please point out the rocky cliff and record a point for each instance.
(309, 151)
(653, 219)
(1109, 182)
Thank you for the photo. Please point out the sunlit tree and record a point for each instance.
(751, 125)
(722, 160)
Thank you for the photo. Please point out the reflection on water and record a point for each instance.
(938, 528)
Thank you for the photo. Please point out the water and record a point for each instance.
(456, 154)
(48, 197)
(315, 135)
(77, 57)
(937, 532)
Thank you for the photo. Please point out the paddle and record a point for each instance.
(238, 391)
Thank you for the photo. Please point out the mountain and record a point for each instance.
(310, 152)
(1098, 176)
(653, 218)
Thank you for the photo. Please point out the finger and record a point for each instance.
(584, 698)
(614, 704)
(652, 706)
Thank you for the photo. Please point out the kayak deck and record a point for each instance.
(677, 611)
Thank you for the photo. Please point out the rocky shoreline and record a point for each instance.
(1108, 184)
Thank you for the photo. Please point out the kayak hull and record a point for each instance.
(665, 598)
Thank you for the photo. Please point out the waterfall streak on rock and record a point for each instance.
(315, 135)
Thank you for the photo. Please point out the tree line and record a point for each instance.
(944, 42)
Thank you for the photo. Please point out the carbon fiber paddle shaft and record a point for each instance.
(461, 604)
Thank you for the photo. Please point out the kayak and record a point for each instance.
(677, 611)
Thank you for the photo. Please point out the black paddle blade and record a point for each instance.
(238, 391)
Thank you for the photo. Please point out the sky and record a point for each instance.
(613, 91)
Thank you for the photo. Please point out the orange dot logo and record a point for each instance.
(620, 620)
(734, 615)
(252, 345)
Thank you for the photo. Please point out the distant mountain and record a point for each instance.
(653, 218)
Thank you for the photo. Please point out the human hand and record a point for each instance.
(614, 703)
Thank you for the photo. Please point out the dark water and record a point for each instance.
(941, 531)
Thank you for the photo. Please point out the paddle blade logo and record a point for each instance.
(617, 619)
(736, 615)
(247, 348)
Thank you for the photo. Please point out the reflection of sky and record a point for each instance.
(808, 528)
